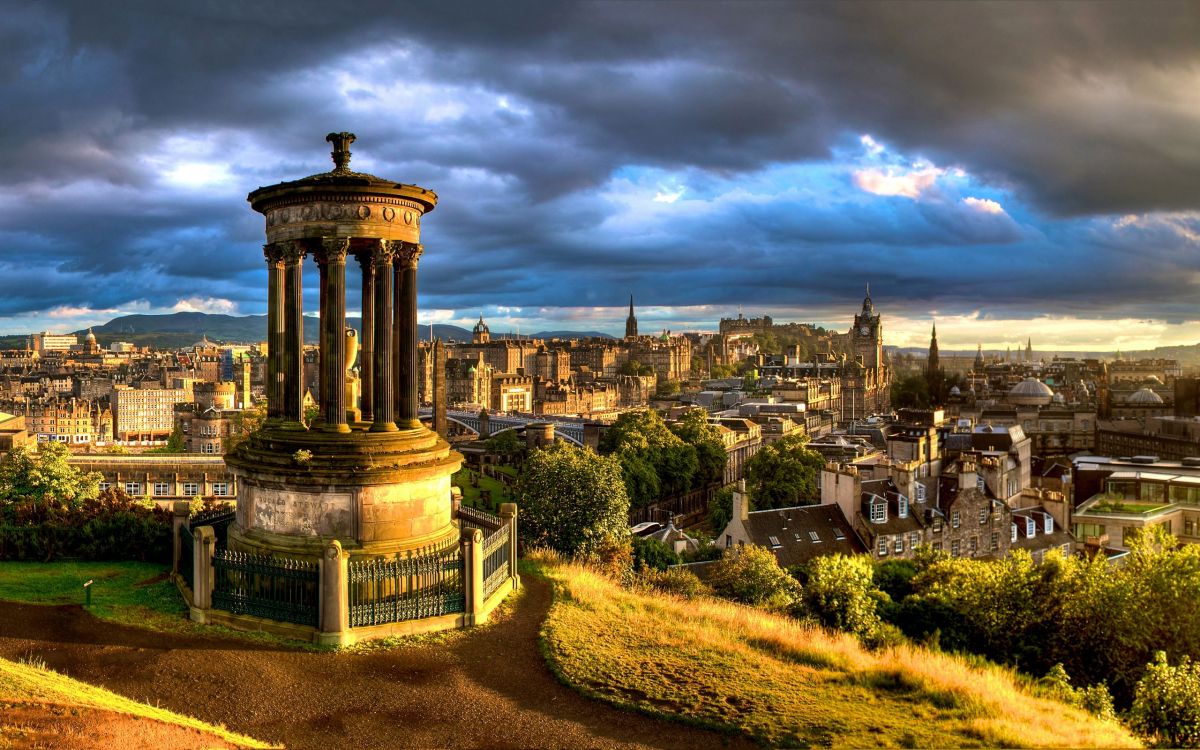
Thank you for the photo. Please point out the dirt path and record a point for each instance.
(487, 688)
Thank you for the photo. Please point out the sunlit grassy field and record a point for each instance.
(32, 684)
(738, 669)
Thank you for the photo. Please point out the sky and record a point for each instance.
(1005, 170)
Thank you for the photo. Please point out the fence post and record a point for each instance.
(202, 572)
(180, 511)
(508, 511)
(335, 596)
(472, 551)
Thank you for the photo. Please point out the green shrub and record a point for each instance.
(1166, 703)
(751, 575)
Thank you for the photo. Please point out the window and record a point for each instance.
(773, 539)
(221, 489)
(995, 541)
(816, 539)
(954, 520)
(899, 544)
(1154, 492)
(728, 541)
(920, 493)
(133, 488)
(983, 514)
(954, 548)
(937, 546)
(191, 489)
(104, 486)
(937, 524)
(1030, 528)
(878, 511)
(838, 535)
(883, 546)
(979, 483)
(161, 489)
(902, 507)
(1012, 488)
(1048, 524)
(973, 545)
(914, 539)
(1014, 532)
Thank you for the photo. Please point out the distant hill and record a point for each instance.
(178, 330)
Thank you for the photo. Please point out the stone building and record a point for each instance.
(511, 393)
(205, 429)
(80, 423)
(468, 381)
(145, 415)
(162, 478)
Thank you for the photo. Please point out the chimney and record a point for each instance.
(741, 504)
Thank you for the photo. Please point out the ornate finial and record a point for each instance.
(341, 150)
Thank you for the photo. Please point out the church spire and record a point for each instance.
(631, 322)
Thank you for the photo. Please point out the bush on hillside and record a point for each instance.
(840, 593)
(1166, 703)
(678, 581)
(111, 526)
(573, 501)
(751, 575)
(652, 554)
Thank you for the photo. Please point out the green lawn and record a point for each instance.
(1118, 506)
(131, 593)
(121, 591)
(500, 493)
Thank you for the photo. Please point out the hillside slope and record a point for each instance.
(41, 708)
(732, 667)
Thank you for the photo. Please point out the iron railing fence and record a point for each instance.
(277, 588)
(426, 584)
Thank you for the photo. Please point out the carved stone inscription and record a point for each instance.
(303, 513)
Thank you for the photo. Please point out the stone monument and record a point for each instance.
(367, 475)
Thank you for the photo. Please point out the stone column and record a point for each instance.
(508, 511)
(180, 511)
(293, 345)
(407, 372)
(366, 341)
(333, 333)
(383, 414)
(275, 331)
(202, 572)
(472, 550)
(397, 328)
(335, 596)
(438, 398)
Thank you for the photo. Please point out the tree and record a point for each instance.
(840, 593)
(174, 444)
(720, 510)
(751, 575)
(652, 554)
(667, 388)
(1166, 703)
(911, 392)
(784, 473)
(245, 423)
(45, 476)
(642, 443)
(505, 444)
(573, 500)
(711, 457)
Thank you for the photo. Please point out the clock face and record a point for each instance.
(864, 330)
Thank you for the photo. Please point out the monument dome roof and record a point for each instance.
(1144, 396)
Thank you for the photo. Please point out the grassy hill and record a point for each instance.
(41, 708)
(739, 669)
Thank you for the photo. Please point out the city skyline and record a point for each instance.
(1008, 180)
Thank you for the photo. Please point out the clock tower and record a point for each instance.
(866, 337)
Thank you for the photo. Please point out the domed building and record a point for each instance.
(1141, 405)
(1144, 397)
(1030, 392)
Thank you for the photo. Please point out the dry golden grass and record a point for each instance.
(29, 685)
(731, 667)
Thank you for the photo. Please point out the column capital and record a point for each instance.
(332, 250)
(382, 252)
(273, 252)
(408, 253)
(293, 250)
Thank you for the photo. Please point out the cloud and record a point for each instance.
(984, 205)
(910, 184)
(206, 305)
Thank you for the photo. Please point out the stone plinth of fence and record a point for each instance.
(205, 543)
(508, 513)
(472, 552)
(335, 596)
(179, 517)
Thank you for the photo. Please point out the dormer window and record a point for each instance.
(1048, 524)
(816, 538)
(920, 493)
(878, 510)
(774, 540)
(1030, 527)
(979, 483)
(1014, 532)
(902, 507)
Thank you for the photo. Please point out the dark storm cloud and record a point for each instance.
(1074, 110)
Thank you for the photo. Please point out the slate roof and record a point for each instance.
(797, 535)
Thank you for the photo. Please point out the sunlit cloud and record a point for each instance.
(212, 305)
(984, 205)
(895, 181)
